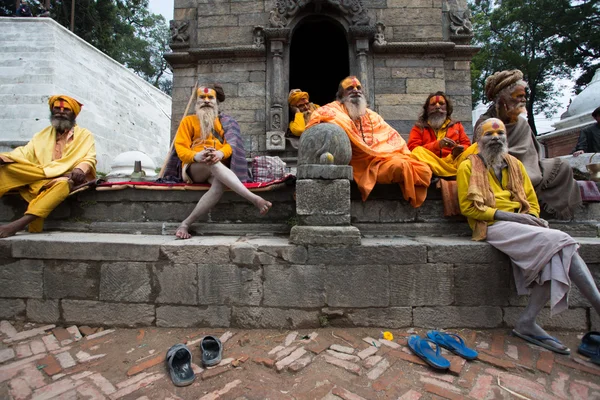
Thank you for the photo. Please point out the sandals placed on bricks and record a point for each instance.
(590, 346)
(454, 343)
(421, 348)
(179, 364)
(212, 350)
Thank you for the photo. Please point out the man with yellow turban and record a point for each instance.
(552, 178)
(209, 148)
(302, 110)
(379, 154)
(46, 169)
(438, 140)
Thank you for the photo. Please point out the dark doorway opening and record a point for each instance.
(318, 59)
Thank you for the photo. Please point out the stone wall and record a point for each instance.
(246, 282)
(40, 58)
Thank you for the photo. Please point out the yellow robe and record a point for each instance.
(40, 177)
(444, 167)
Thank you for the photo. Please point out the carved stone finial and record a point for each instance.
(460, 22)
(179, 31)
(324, 144)
(380, 36)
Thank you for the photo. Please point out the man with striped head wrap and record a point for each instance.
(302, 109)
(46, 169)
(210, 148)
(552, 178)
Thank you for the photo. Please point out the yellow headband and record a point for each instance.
(73, 104)
(295, 96)
(350, 81)
(204, 91)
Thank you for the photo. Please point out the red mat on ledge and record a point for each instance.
(252, 186)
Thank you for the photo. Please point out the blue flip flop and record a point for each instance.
(538, 340)
(454, 343)
(590, 345)
(179, 364)
(420, 346)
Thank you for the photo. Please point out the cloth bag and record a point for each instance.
(267, 168)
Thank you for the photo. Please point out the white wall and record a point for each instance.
(40, 58)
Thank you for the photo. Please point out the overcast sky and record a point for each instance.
(164, 7)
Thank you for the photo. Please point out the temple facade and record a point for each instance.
(401, 50)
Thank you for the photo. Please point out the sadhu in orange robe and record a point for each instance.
(379, 153)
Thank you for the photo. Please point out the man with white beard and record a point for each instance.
(498, 199)
(379, 153)
(204, 143)
(438, 140)
(46, 169)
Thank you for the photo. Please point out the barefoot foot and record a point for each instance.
(535, 332)
(11, 229)
(263, 206)
(182, 232)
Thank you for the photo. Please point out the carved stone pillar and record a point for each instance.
(275, 129)
(362, 48)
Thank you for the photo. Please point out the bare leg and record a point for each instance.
(206, 202)
(12, 228)
(583, 279)
(526, 325)
(229, 179)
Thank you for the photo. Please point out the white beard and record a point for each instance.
(207, 116)
(436, 120)
(357, 107)
(494, 155)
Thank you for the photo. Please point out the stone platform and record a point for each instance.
(265, 282)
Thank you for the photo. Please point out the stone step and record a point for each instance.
(266, 282)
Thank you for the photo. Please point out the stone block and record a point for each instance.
(382, 73)
(257, 76)
(254, 19)
(390, 86)
(399, 112)
(461, 251)
(95, 313)
(185, 3)
(394, 99)
(408, 16)
(368, 283)
(117, 212)
(12, 308)
(229, 284)
(23, 278)
(5, 249)
(461, 76)
(324, 220)
(295, 286)
(573, 319)
(277, 250)
(412, 61)
(184, 14)
(390, 317)
(325, 235)
(186, 316)
(320, 171)
(416, 72)
(176, 284)
(199, 250)
(424, 86)
(251, 89)
(75, 280)
(217, 20)
(206, 9)
(457, 317)
(125, 282)
(243, 253)
(408, 4)
(421, 285)
(374, 251)
(589, 250)
(471, 289)
(454, 88)
(383, 211)
(169, 211)
(273, 318)
(45, 311)
(247, 7)
(595, 321)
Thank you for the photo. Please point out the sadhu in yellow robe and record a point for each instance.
(379, 153)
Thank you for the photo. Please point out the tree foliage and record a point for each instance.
(123, 29)
(546, 39)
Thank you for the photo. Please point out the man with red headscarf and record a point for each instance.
(46, 169)
(379, 154)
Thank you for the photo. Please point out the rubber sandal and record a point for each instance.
(212, 350)
(537, 340)
(454, 343)
(420, 346)
(179, 364)
(590, 345)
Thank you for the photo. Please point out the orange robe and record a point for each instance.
(379, 154)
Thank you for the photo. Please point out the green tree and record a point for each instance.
(546, 39)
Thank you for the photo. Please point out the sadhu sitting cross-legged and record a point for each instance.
(204, 142)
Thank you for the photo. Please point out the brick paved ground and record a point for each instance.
(47, 362)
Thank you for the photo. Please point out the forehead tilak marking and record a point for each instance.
(495, 125)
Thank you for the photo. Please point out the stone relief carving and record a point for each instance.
(379, 36)
(276, 122)
(275, 140)
(460, 22)
(259, 36)
(284, 11)
(179, 31)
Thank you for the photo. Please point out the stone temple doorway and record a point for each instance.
(319, 58)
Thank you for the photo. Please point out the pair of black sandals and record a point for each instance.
(590, 346)
(179, 359)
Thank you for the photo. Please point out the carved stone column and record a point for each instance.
(362, 47)
(275, 129)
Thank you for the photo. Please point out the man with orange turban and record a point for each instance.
(302, 110)
(46, 169)
(379, 153)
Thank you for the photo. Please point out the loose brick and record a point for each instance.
(61, 334)
(226, 336)
(28, 334)
(102, 383)
(267, 362)
(100, 334)
(525, 355)
(445, 393)
(497, 362)
(289, 339)
(37, 347)
(571, 364)
(578, 392)
(559, 385)
(55, 389)
(8, 371)
(7, 329)
(546, 362)
(343, 356)
(369, 351)
(19, 389)
(49, 365)
(132, 380)
(132, 388)
(283, 363)
(389, 343)
(372, 342)
(90, 392)
(355, 342)
(6, 354)
(218, 393)
(23, 350)
(300, 364)
(456, 365)
(74, 332)
(50, 342)
(410, 395)
(285, 352)
(407, 357)
(482, 387)
(65, 360)
(371, 361)
(497, 344)
(521, 385)
(347, 365)
(149, 363)
(512, 351)
(467, 379)
(86, 330)
(215, 372)
(276, 350)
(342, 349)
(378, 369)
(318, 348)
(387, 379)
(345, 394)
